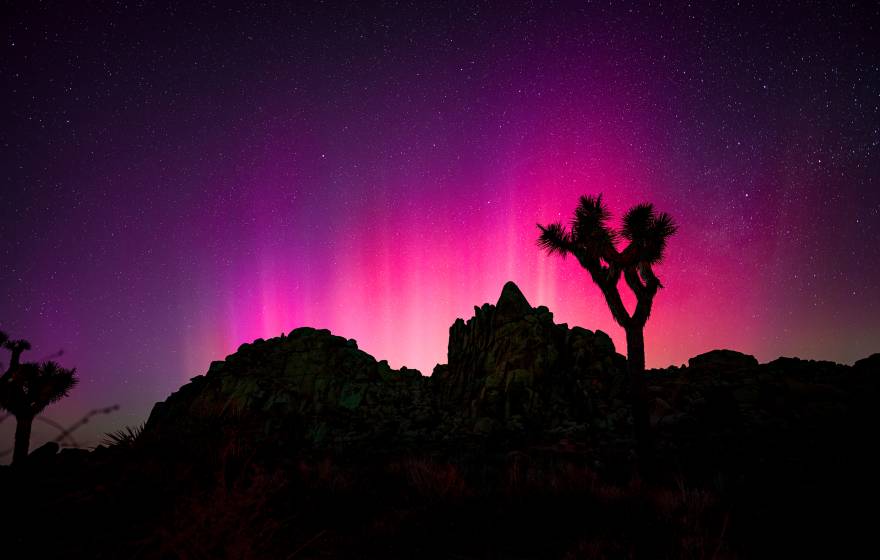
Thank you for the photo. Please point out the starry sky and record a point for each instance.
(179, 179)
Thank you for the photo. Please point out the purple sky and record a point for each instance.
(179, 180)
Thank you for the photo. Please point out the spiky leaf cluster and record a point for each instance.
(591, 236)
(125, 437)
(648, 231)
(31, 387)
(16, 346)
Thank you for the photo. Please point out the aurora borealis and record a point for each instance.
(179, 180)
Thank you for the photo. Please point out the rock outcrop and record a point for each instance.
(511, 367)
(512, 371)
(723, 361)
(725, 408)
(309, 387)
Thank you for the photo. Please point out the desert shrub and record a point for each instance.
(126, 437)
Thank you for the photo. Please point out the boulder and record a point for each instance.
(871, 364)
(43, 455)
(723, 361)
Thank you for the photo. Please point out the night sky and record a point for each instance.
(178, 180)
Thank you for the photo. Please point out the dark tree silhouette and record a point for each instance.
(26, 389)
(593, 242)
(17, 347)
(4, 338)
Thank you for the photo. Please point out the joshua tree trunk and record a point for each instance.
(22, 438)
(593, 242)
(15, 359)
(635, 360)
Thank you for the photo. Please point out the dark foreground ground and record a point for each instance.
(814, 495)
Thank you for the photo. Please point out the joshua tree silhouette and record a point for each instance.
(17, 347)
(26, 389)
(593, 243)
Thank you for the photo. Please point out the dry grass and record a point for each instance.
(432, 480)
(232, 520)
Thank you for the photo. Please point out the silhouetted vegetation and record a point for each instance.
(592, 241)
(16, 348)
(28, 388)
(126, 437)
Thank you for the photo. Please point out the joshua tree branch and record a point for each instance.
(606, 277)
(600, 273)
(651, 280)
(610, 253)
(555, 239)
(624, 259)
(612, 297)
(615, 304)
(634, 282)
(643, 311)
(645, 292)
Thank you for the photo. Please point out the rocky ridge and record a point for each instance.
(511, 373)
(309, 387)
(511, 368)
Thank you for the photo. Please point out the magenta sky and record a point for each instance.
(177, 183)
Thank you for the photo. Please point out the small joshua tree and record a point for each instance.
(17, 347)
(26, 389)
(593, 243)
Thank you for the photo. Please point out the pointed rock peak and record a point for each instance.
(512, 302)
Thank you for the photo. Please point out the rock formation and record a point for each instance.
(309, 387)
(511, 371)
(511, 367)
